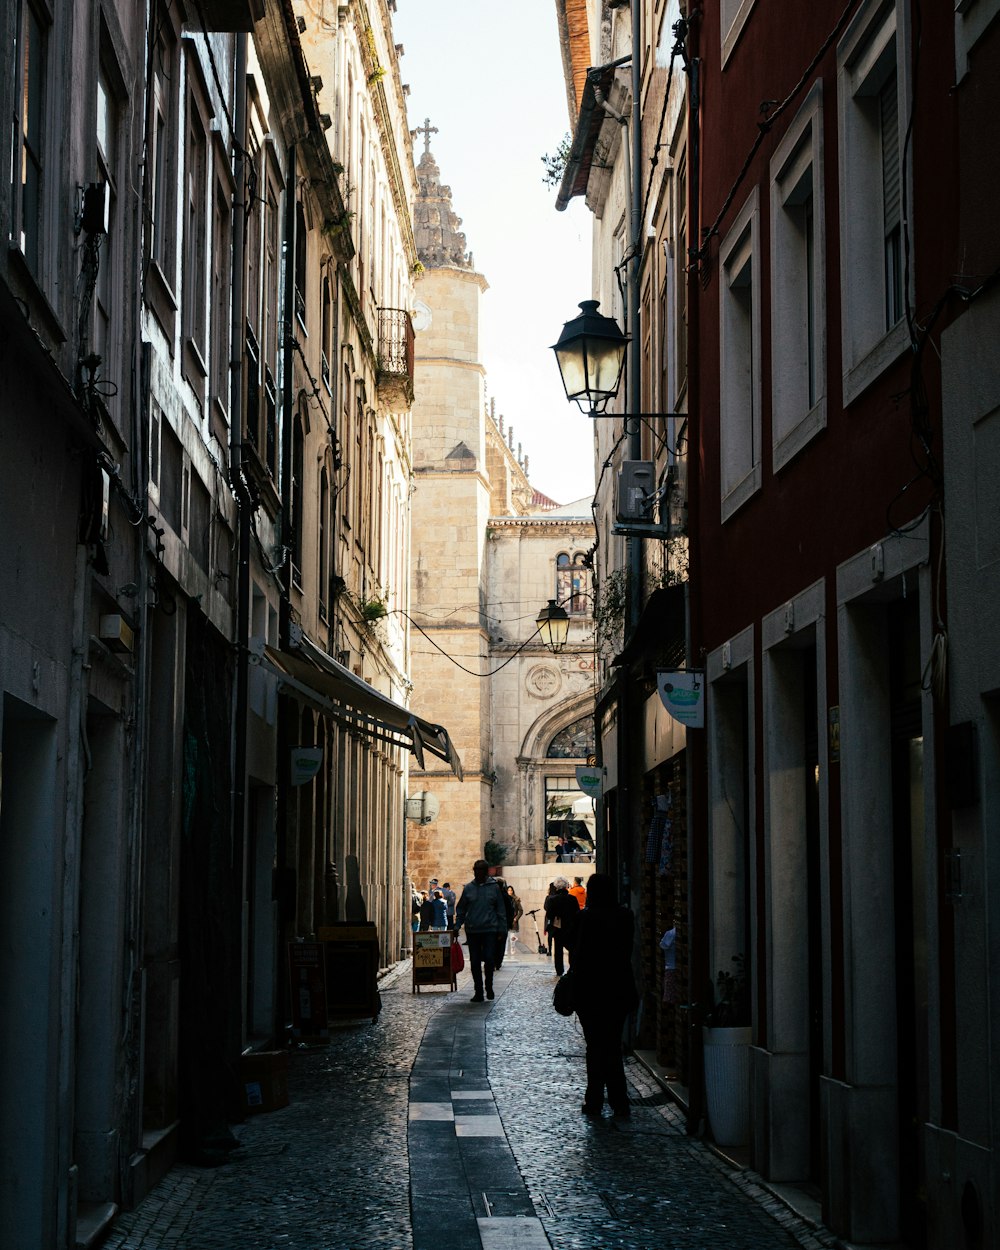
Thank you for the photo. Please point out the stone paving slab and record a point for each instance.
(335, 1170)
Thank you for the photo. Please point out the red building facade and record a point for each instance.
(840, 295)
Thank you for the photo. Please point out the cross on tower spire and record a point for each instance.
(426, 130)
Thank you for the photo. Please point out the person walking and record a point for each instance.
(482, 912)
(563, 912)
(415, 900)
(439, 919)
(508, 907)
(426, 912)
(516, 921)
(450, 898)
(604, 993)
(547, 927)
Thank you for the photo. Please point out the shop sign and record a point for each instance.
(590, 780)
(682, 692)
(305, 764)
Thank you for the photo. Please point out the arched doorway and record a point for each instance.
(552, 802)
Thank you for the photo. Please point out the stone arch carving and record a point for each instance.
(552, 720)
(532, 767)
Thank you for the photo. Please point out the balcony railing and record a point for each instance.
(395, 352)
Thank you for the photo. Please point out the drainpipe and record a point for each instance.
(696, 753)
(628, 750)
(286, 727)
(287, 397)
(244, 506)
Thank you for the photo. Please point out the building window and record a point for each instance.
(326, 334)
(872, 96)
(324, 542)
(733, 15)
(162, 129)
(569, 813)
(196, 210)
(269, 290)
(739, 373)
(27, 135)
(972, 18)
(300, 267)
(221, 310)
(575, 742)
(298, 498)
(573, 583)
(680, 281)
(798, 284)
(106, 287)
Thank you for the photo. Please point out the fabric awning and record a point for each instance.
(353, 702)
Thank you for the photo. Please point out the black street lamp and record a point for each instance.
(590, 354)
(553, 626)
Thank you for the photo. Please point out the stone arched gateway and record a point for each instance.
(560, 739)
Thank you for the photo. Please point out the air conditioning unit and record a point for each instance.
(636, 490)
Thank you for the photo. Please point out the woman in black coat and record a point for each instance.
(604, 992)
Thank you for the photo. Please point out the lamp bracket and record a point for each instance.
(642, 531)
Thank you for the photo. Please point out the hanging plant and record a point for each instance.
(373, 609)
(611, 597)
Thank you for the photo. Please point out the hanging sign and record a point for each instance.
(682, 692)
(305, 764)
(590, 780)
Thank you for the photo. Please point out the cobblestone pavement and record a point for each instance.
(331, 1171)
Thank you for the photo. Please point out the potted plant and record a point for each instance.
(726, 1035)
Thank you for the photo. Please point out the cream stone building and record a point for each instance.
(488, 553)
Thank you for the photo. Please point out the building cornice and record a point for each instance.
(541, 522)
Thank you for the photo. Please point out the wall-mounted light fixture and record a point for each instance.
(590, 354)
(553, 626)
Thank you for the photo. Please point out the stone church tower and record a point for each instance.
(488, 551)
(450, 509)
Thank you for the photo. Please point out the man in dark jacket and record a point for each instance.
(482, 912)
(563, 914)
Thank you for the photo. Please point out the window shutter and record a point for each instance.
(889, 119)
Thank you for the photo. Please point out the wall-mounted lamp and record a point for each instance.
(553, 626)
(590, 354)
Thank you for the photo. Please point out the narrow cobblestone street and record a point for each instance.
(455, 1126)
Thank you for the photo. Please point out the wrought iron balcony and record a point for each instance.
(395, 355)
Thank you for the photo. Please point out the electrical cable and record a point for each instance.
(470, 671)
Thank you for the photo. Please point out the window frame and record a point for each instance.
(27, 230)
(107, 166)
(194, 236)
(972, 18)
(796, 418)
(573, 583)
(160, 287)
(220, 280)
(740, 251)
(878, 30)
(733, 16)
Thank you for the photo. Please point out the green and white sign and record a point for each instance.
(590, 780)
(682, 693)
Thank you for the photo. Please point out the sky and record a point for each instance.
(488, 74)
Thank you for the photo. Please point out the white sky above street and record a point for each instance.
(488, 74)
